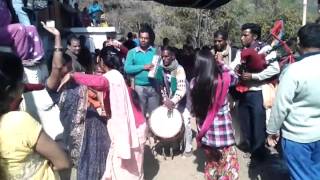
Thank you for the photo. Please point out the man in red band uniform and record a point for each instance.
(252, 113)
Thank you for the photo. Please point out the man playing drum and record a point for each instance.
(172, 79)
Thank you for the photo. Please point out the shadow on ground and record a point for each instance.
(200, 159)
(274, 168)
(153, 164)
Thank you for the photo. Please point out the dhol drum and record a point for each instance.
(165, 124)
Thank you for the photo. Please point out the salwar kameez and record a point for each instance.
(127, 130)
(126, 126)
(117, 168)
(218, 139)
(221, 163)
(85, 134)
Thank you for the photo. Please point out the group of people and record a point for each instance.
(95, 152)
(266, 115)
(87, 117)
(93, 15)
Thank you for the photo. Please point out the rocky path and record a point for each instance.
(191, 168)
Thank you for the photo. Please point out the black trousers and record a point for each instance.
(252, 117)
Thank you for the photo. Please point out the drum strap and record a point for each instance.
(221, 93)
(166, 84)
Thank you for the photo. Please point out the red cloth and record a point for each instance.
(253, 61)
(277, 28)
(137, 112)
(14, 105)
(32, 87)
(242, 88)
(100, 83)
(96, 82)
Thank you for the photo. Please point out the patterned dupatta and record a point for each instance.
(73, 111)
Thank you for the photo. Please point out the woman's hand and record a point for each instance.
(64, 81)
(52, 30)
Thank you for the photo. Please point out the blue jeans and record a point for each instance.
(303, 159)
(22, 15)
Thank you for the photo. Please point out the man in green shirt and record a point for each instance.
(138, 64)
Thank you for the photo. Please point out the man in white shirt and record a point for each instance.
(251, 112)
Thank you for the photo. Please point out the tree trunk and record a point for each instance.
(199, 20)
(275, 6)
(257, 4)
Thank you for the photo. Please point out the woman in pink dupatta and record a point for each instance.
(216, 135)
(126, 125)
(125, 156)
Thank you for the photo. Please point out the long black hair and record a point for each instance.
(111, 58)
(205, 83)
(11, 75)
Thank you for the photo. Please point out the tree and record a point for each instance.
(178, 23)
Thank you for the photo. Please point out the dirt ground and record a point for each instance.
(191, 168)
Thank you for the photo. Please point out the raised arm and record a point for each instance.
(57, 60)
(96, 82)
(123, 50)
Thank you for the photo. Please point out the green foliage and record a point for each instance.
(178, 23)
